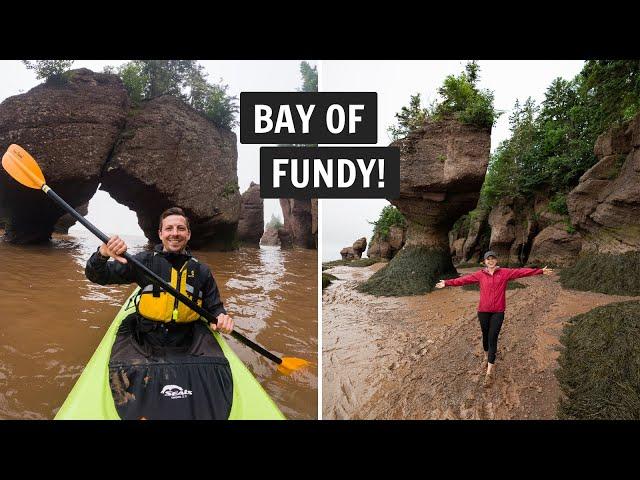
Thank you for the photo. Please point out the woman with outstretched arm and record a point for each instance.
(493, 285)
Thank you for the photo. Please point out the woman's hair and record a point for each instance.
(173, 211)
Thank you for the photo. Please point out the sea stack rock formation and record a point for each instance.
(170, 155)
(442, 168)
(251, 221)
(162, 153)
(70, 128)
(298, 222)
(355, 250)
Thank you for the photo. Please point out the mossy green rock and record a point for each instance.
(599, 371)
(415, 270)
(605, 273)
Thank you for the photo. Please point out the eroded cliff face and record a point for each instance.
(605, 206)
(149, 158)
(70, 129)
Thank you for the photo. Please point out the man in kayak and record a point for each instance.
(161, 319)
(493, 285)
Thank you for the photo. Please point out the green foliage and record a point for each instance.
(558, 204)
(461, 98)
(413, 271)
(49, 69)
(274, 222)
(604, 273)
(599, 365)
(409, 118)
(327, 279)
(309, 77)
(229, 189)
(358, 262)
(551, 145)
(390, 216)
(184, 79)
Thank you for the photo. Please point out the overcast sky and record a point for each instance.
(344, 221)
(243, 75)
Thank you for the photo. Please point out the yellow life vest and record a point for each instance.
(156, 304)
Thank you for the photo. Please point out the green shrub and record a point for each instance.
(184, 79)
(461, 98)
(413, 271)
(599, 365)
(55, 71)
(390, 216)
(558, 204)
(229, 189)
(604, 273)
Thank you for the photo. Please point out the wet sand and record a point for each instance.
(420, 357)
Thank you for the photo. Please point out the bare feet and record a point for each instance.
(488, 380)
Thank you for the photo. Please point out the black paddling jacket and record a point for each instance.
(192, 278)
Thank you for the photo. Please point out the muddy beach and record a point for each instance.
(420, 357)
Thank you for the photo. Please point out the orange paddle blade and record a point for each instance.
(291, 364)
(22, 167)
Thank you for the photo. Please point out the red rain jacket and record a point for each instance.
(493, 287)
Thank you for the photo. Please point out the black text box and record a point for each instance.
(328, 107)
(317, 172)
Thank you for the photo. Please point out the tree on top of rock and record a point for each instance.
(48, 69)
(459, 97)
(185, 79)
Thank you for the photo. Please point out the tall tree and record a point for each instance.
(309, 77)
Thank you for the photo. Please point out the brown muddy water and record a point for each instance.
(53, 318)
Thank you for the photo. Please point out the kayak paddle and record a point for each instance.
(24, 169)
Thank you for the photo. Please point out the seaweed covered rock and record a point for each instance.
(599, 365)
(604, 273)
(442, 168)
(327, 279)
(171, 155)
(415, 270)
(70, 127)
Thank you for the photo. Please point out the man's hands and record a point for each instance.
(547, 271)
(114, 248)
(224, 325)
(440, 284)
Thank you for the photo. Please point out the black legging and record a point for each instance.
(490, 323)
